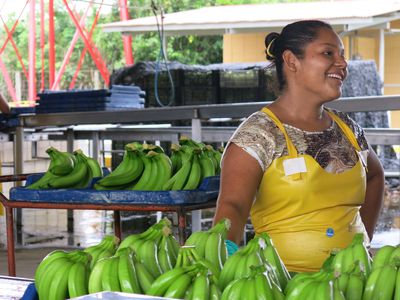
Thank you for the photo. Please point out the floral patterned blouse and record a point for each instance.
(261, 138)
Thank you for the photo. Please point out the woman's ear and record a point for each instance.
(289, 60)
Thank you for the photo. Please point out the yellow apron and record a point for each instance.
(306, 210)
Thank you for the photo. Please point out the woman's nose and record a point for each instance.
(341, 62)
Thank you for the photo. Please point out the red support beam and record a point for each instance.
(32, 53)
(91, 48)
(9, 38)
(42, 43)
(68, 54)
(127, 39)
(52, 60)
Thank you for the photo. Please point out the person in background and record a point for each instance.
(4, 107)
(304, 173)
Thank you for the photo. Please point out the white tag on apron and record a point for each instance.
(294, 165)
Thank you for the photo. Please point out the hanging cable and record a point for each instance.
(162, 58)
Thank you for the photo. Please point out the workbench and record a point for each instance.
(180, 209)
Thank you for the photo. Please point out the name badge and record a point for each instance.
(294, 165)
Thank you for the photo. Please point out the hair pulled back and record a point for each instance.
(294, 37)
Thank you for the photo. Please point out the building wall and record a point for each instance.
(249, 47)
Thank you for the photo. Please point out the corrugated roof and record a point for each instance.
(344, 15)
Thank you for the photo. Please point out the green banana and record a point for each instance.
(235, 291)
(180, 178)
(48, 276)
(61, 163)
(215, 292)
(166, 257)
(198, 239)
(161, 284)
(271, 255)
(144, 276)
(152, 182)
(397, 289)
(58, 287)
(42, 182)
(129, 170)
(164, 170)
(342, 281)
(386, 283)
(262, 287)
(94, 167)
(194, 178)
(355, 287)
(382, 256)
(78, 279)
(229, 270)
(109, 280)
(214, 249)
(201, 287)
(105, 248)
(147, 254)
(127, 276)
(395, 256)
(371, 283)
(45, 263)
(77, 178)
(176, 158)
(146, 175)
(178, 288)
(207, 166)
(95, 278)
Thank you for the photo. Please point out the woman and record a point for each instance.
(305, 174)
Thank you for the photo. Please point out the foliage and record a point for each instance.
(185, 49)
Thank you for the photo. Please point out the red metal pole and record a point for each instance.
(127, 39)
(52, 68)
(42, 43)
(9, 38)
(32, 52)
(91, 48)
(68, 54)
(81, 58)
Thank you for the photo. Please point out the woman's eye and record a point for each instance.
(328, 53)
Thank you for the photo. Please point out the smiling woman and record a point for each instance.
(306, 175)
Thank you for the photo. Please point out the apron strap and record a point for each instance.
(346, 130)
(291, 148)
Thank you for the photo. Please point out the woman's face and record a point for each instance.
(323, 67)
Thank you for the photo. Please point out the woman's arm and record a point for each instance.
(374, 195)
(240, 176)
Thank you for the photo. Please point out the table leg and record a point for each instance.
(117, 224)
(10, 241)
(181, 226)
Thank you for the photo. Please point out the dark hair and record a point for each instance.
(294, 37)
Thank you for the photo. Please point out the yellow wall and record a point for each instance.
(249, 47)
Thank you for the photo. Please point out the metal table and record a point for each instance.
(181, 210)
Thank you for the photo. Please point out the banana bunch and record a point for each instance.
(188, 255)
(240, 264)
(210, 244)
(105, 248)
(127, 172)
(120, 273)
(319, 285)
(384, 280)
(68, 171)
(344, 260)
(186, 282)
(352, 284)
(157, 170)
(191, 163)
(260, 284)
(156, 247)
(271, 255)
(62, 274)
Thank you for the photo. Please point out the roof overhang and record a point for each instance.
(345, 16)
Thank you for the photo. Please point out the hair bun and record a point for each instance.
(270, 43)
